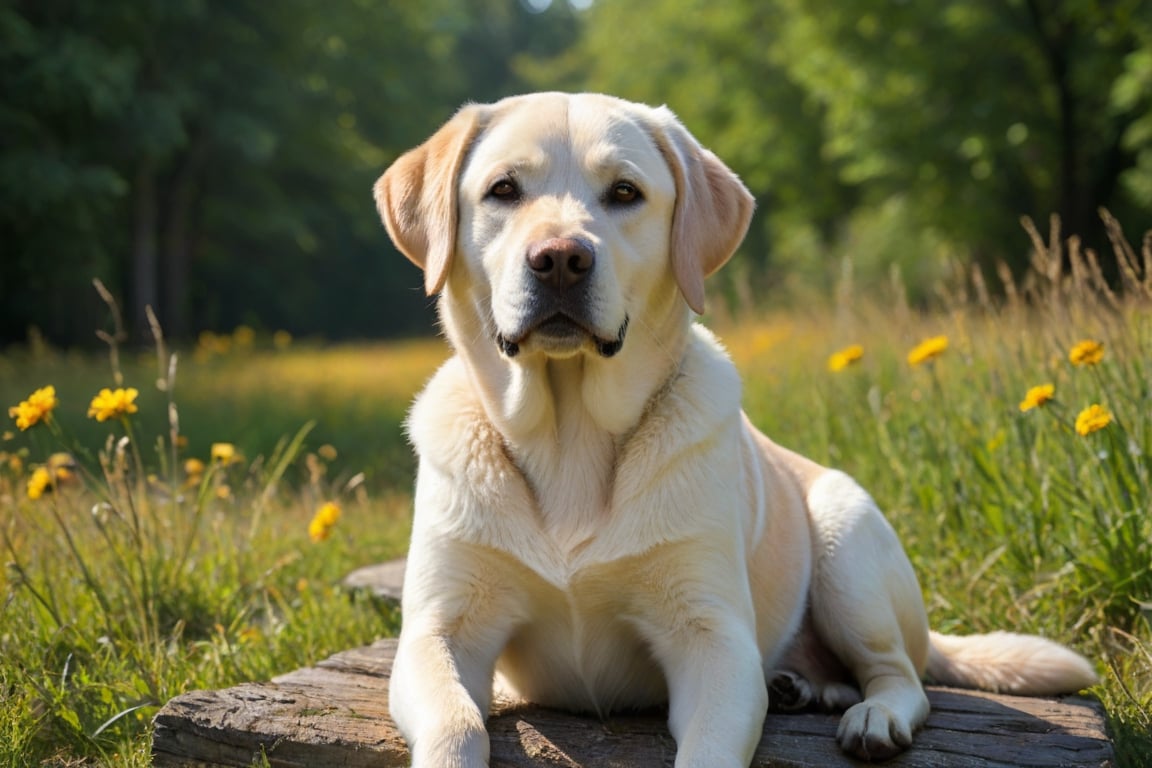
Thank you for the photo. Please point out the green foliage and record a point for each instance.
(185, 151)
(131, 580)
(950, 446)
(1012, 518)
(982, 108)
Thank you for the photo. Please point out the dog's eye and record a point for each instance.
(624, 193)
(504, 190)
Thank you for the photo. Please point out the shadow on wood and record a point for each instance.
(336, 714)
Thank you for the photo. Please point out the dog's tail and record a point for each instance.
(1005, 662)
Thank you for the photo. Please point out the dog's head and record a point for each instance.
(560, 217)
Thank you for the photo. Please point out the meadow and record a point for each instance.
(197, 535)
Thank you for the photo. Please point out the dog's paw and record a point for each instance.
(872, 731)
(788, 691)
(452, 746)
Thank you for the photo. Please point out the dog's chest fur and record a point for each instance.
(581, 649)
(563, 493)
(569, 461)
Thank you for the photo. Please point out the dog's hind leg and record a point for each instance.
(866, 607)
(811, 676)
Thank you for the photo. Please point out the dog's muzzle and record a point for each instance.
(558, 271)
(604, 347)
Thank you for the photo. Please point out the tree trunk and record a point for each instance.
(144, 251)
(178, 238)
(1054, 35)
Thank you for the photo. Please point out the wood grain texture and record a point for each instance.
(336, 714)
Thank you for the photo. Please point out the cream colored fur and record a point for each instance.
(598, 526)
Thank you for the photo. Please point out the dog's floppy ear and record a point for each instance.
(713, 208)
(416, 197)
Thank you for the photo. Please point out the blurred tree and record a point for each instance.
(1131, 96)
(63, 94)
(214, 159)
(977, 112)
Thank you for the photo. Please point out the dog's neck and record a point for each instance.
(557, 415)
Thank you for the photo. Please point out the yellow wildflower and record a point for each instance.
(38, 407)
(323, 521)
(843, 358)
(223, 453)
(63, 466)
(113, 403)
(1037, 396)
(44, 398)
(39, 482)
(281, 340)
(1092, 419)
(25, 415)
(329, 513)
(243, 337)
(209, 343)
(317, 531)
(1086, 352)
(193, 472)
(928, 349)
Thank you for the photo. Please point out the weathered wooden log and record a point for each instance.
(384, 580)
(336, 714)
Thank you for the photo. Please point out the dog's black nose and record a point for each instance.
(561, 261)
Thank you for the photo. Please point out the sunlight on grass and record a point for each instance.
(139, 569)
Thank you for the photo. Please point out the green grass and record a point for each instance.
(129, 583)
(125, 587)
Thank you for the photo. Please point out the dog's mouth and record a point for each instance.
(560, 334)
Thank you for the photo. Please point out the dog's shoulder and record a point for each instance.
(447, 423)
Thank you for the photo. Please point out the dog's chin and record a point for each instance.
(559, 336)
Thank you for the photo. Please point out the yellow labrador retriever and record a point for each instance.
(598, 526)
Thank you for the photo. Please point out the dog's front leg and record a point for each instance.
(440, 711)
(702, 631)
(441, 684)
(717, 700)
